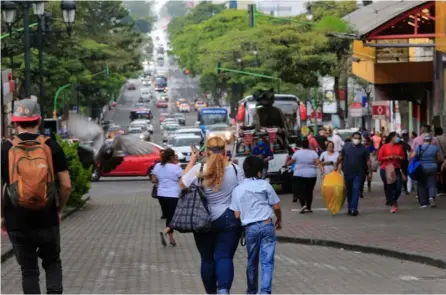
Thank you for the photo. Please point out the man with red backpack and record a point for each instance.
(32, 204)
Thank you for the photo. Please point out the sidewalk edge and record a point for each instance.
(413, 257)
(68, 212)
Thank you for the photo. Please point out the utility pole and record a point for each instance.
(26, 45)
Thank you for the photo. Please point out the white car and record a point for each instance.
(168, 130)
(146, 82)
(168, 121)
(145, 94)
(139, 132)
(181, 144)
(221, 130)
(189, 131)
(143, 122)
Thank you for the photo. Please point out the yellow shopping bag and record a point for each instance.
(333, 191)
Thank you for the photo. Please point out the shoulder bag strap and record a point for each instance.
(422, 151)
(200, 174)
(235, 169)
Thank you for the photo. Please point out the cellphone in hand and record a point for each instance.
(194, 149)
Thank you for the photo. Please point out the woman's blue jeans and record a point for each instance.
(392, 191)
(427, 186)
(217, 249)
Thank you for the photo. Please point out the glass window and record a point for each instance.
(211, 119)
(185, 141)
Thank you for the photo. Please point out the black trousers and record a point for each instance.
(45, 244)
(303, 188)
(168, 206)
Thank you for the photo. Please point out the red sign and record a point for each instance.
(341, 94)
(318, 115)
(380, 109)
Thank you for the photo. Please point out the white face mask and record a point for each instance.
(356, 141)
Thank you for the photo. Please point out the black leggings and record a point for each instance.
(168, 206)
(303, 190)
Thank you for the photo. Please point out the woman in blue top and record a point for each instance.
(429, 156)
(167, 176)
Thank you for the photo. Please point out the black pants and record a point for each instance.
(168, 206)
(303, 190)
(45, 244)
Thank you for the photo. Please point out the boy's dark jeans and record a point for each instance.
(43, 243)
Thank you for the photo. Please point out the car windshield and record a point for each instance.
(135, 131)
(287, 107)
(211, 119)
(161, 81)
(185, 141)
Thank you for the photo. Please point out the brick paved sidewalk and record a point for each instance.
(412, 230)
(113, 246)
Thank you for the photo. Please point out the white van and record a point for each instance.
(146, 95)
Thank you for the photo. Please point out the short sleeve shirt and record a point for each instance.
(220, 200)
(354, 159)
(168, 176)
(305, 166)
(20, 218)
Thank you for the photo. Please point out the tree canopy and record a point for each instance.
(294, 52)
(174, 9)
(100, 38)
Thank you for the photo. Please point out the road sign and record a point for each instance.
(355, 109)
(379, 109)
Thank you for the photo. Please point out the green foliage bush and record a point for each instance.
(80, 177)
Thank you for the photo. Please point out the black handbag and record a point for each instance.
(155, 191)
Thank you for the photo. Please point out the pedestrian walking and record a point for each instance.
(441, 140)
(376, 138)
(253, 202)
(32, 204)
(356, 166)
(429, 156)
(217, 247)
(419, 140)
(166, 175)
(371, 149)
(390, 156)
(313, 144)
(329, 158)
(304, 175)
(407, 183)
(337, 140)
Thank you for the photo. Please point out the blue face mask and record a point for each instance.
(397, 140)
(260, 143)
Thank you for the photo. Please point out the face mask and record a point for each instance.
(356, 141)
(397, 140)
(260, 143)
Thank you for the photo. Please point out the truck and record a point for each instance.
(277, 173)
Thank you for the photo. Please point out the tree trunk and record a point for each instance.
(338, 101)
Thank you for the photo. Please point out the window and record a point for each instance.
(210, 119)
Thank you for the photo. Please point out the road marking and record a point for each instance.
(408, 278)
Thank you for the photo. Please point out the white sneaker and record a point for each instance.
(432, 202)
(424, 206)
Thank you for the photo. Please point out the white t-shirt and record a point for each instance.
(329, 158)
(218, 201)
(168, 180)
(305, 166)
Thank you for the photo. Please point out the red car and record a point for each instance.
(162, 104)
(132, 166)
(131, 86)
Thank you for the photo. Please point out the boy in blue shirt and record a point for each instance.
(253, 202)
(262, 150)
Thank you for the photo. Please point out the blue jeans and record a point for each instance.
(353, 184)
(427, 186)
(392, 191)
(217, 249)
(260, 243)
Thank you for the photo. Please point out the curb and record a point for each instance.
(67, 213)
(413, 257)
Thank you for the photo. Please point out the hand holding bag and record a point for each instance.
(192, 214)
(415, 170)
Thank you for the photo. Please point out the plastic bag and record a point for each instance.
(333, 191)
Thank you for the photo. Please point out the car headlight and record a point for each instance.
(141, 136)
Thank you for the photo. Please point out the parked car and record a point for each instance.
(184, 108)
(131, 86)
(181, 118)
(132, 165)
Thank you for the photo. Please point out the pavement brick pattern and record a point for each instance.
(411, 230)
(112, 246)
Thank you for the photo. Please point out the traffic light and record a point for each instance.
(47, 22)
(218, 68)
(252, 15)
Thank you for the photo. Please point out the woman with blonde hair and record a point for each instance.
(217, 247)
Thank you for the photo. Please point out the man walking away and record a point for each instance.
(441, 141)
(31, 205)
(356, 164)
(419, 140)
(253, 201)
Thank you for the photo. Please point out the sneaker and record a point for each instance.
(394, 209)
(355, 213)
(303, 209)
(423, 206)
(308, 210)
(432, 202)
